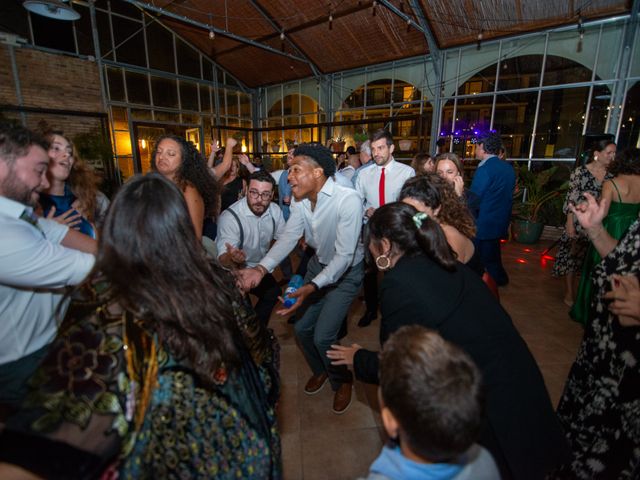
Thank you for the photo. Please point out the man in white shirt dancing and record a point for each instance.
(379, 184)
(330, 218)
(38, 257)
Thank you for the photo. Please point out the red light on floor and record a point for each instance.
(503, 240)
(548, 257)
(521, 260)
(527, 250)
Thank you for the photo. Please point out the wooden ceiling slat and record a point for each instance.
(358, 38)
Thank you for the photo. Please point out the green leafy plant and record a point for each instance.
(361, 136)
(290, 142)
(534, 190)
(238, 136)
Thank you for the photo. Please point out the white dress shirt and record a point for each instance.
(258, 231)
(332, 229)
(33, 269)
(395, 174)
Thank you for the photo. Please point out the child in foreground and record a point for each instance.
(431, 406)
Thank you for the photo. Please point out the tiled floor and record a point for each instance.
(318, 445)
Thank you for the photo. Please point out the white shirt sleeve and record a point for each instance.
(348, 232)
(228, 232)
(27, 259)
(287, 239)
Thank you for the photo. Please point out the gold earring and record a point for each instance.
(383, 262)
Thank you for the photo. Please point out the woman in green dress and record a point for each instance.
(158, 371)
(622, 194)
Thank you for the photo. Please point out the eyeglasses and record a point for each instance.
(264, 195)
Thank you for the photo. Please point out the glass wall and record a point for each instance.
(542, 92)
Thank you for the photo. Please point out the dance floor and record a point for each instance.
(318, 445)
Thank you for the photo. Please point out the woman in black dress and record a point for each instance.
(600, 406)
(424, 285)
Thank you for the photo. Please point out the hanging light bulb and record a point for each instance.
(330, 22)
(282, 40)
(408, 25)
(480, 37)
(580, 32)
(373, 8)
(212, 34)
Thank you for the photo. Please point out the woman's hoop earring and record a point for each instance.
(383, 262)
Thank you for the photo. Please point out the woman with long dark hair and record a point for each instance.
(179, 161)
(574, 243)
(424, 285)
(434, 195)
(622, 194)
(159, 371)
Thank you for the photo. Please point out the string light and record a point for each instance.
(480, 37)
(330, 21)
(373, 8)
(408, 25)
(282, 41)
(580, 32)
(212, 34)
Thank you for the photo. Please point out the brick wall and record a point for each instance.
(52, 81)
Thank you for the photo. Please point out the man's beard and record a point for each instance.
(15, 190)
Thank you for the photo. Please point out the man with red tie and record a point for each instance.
(379, 184)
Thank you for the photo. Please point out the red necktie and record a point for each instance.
(381, 188)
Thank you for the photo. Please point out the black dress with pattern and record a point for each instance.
(571, 251)
(600, 406)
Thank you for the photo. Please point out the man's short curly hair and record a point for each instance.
(491, 142)
(626, 162)
(318, 153)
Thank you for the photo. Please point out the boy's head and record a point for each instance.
(430, 394)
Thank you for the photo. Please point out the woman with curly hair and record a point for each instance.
(179, 161)
(436, 197)
(73, 187)
(159, 370)
(622, 193)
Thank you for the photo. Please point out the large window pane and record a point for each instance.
(84, 32)
(232, 103)
(51, 33)
(481, 82)
(513, 118)
(137, 87)
(188, 60)
(160, 44)
(129, 41)
(116, 84)
(104, 35)
(559, 70)
(520, 72)
(560, 122)
(245, 105)
(165, 93)
(189, 95)
(207, 69)
(630, 121)
(599, 109)
(205, 99)
(473, 115)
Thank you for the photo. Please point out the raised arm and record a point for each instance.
(218, 171)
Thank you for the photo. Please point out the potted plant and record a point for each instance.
(275, 144)
(533, 191)
(337, 144)
(405, 143)
(360, 137)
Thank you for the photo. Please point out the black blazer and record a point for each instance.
(521, 428)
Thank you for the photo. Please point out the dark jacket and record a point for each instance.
(521, 430)
(493, 183)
